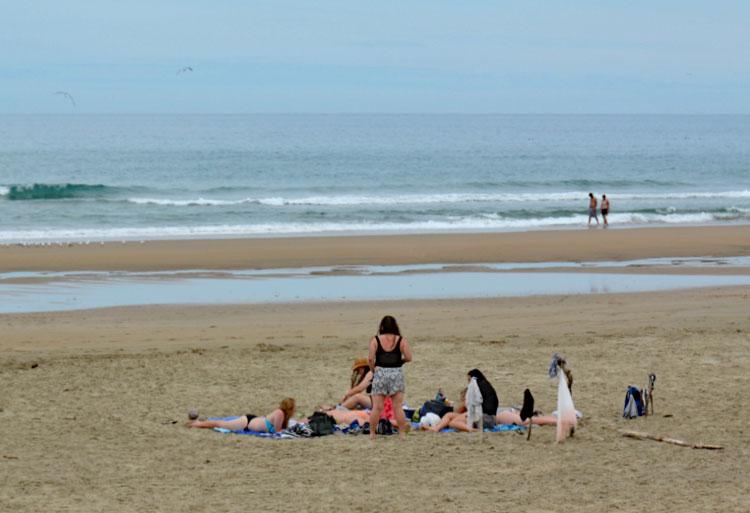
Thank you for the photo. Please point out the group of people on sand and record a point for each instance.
(604, 209)
(376, 381)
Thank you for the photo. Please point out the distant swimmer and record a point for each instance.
(592, 209)
(66, 95)
(184, 70)
(605, 210)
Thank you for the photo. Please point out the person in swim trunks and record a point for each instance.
(274, 422)
(592, 209)
(605, 209)
(388, 352)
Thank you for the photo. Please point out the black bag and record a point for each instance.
(321, 424)
(439, 408)
(385, 427)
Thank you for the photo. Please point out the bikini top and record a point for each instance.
(388, 359)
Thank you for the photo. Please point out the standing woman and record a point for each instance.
(388, 352)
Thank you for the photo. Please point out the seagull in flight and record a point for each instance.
(67, 95)
(184, 69)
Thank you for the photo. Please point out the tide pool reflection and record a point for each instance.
(124, 290)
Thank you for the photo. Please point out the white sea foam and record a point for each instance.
(488, 222)
(201, 202)
(4, 190)
(438, 198)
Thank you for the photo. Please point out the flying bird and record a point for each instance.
(67, 95)
(184, 69)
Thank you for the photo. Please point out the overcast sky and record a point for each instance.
(550, 56)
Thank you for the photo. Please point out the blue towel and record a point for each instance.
(497, 429)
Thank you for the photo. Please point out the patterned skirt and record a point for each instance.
(388, 380)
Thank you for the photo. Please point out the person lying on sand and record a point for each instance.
(458, 421)
(274, 422)
(358, 396)
(343, 416)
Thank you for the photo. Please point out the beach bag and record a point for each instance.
(321, 424)
(439, 408)
(634, 406)
(385, 427)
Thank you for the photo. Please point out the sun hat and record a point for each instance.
(360, 362)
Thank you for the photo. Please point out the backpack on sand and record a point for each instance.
(439, 408)
(634, 405)
(321, 424)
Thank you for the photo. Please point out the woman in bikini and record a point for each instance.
(358, 396)
(342, 416)
(388, 352)
(274, 422)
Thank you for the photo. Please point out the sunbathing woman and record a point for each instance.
(457, 419)
(344, 417)
(274, 422)
(458, 422)
(358, 396)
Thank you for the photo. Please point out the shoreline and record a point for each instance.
(300, 252)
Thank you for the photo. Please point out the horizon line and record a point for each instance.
(350, 113)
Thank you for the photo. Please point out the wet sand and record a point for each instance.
(535, 246)
(93, 402)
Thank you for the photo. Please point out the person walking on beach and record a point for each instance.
(605, 210)
(388, 352)
(592, 209)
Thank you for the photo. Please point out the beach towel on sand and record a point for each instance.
(498, 428)
(282, 436)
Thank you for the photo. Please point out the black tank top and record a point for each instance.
(385, 358)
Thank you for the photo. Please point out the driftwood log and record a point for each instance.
(639, 435)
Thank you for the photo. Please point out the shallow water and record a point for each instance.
(52, 276)
(123, 290)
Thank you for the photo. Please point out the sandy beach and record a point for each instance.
(295, 252)
(94, 401)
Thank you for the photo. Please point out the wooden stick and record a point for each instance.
(639, 435)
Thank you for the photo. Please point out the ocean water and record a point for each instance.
(164, 176)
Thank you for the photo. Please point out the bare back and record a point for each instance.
(388, 341)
